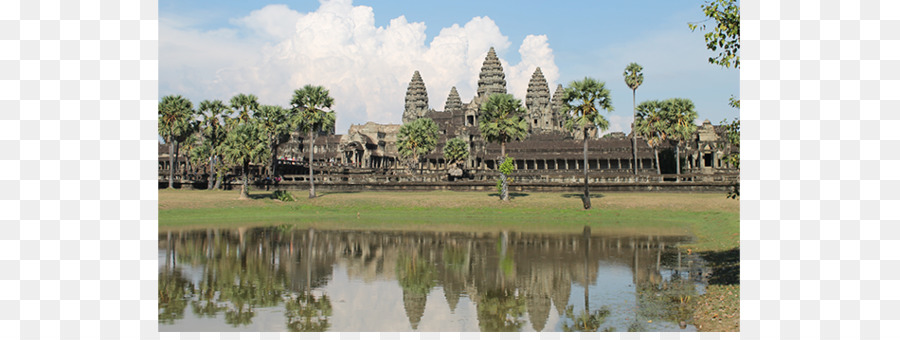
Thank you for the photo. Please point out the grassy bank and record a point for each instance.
(711, 218)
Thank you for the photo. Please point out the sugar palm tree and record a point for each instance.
(213, 132)
(501, 122)
(651, 124)
(309, 104)
(275, 124)
(244, 144)
(417, 138)
(582, 101)
(634, 78)
(680, 115)
(174, 122)
(245, 104)
(456, 150)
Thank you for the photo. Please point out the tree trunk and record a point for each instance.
(677, 162)
(219, 170)
(212, 172)
(504, 181)
(175, 166)
(312, 183)
(656, 152)
(245, 169)
(586, 199)
(171, 162)
(274, 148)
(633, 134)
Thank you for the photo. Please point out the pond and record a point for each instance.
(282, 278)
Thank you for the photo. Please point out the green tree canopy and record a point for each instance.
(725, 36)
(245, 144)
(245, 104)
(456, 150)
(417, 138)
(501, 122)
(582, 101)
(274, 121)
(213, 131)
(309, 104)
(174, 125)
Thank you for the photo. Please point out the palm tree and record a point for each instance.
(213, 132)
(174, 122)
(583, 100)
(633, 78)
(245, 104)
(246, 143)
(275, 124)
(681, 115)
(651, 125)
(417, 138)
(309, 103)
(501, 122)
(456, 150)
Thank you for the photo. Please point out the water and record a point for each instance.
(290, 279)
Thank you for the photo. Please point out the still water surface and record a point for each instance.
(292, 279)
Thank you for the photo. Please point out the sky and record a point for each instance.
(365, 52)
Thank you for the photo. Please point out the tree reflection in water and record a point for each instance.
(510, 280)
(308, 313)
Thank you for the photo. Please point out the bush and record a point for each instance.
(283, 195)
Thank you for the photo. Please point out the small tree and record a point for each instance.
(246, 143)
(274, 122)
(173, 124)
(634, 78)
(680, 116)
(456, 150)
(213, 131)
(583, 100)
(651, 125)
(733, 132)
(309, 104)
(501, 122)
(417, 138)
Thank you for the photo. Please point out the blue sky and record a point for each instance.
(365, 51)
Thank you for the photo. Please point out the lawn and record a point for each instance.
(711, 218)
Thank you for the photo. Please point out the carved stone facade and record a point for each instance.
(416, 99)
(705, 153)
(541, 115)
(454, 103)
(491, 79)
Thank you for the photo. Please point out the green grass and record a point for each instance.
(711, 218)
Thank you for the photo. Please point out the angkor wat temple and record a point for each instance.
(548, 153)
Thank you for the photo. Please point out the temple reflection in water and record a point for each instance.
(292, 279)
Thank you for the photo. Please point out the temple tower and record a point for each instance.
(416, 99)
(454, 103)
(491, 79)
(537, 103)
(556, 105)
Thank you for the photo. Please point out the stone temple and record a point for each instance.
(548, 153)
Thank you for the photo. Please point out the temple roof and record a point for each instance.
(491, 79)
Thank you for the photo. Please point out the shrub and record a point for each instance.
(283, 195)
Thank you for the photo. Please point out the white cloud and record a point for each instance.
(274, 50)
